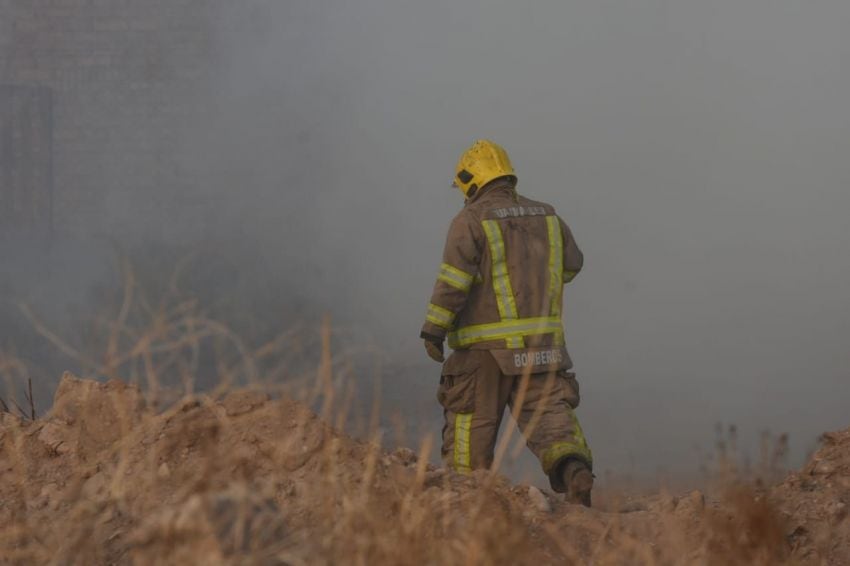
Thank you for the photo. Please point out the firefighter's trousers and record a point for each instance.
(474, 393)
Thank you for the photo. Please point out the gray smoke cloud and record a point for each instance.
(698, 150)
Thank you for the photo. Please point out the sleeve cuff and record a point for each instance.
(433, 333)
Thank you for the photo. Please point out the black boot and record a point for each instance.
(578, 480)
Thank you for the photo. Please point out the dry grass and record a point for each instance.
(245, 473)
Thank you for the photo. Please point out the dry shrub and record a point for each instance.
(247, 474)
(747, 529)
(247, 479)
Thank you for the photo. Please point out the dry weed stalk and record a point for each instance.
(300, 493)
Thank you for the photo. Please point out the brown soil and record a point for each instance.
(249, 480)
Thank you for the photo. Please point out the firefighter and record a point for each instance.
(497, 301)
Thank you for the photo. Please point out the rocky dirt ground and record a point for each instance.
(244, 479)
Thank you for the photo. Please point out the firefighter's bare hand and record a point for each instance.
(435, 350)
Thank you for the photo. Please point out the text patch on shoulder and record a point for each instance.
(518, 211)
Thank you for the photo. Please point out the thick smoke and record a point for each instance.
(698, 150)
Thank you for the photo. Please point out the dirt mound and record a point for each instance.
(816, 502)
(245, 479)
(88, 416)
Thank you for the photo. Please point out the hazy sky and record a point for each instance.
(699, 150)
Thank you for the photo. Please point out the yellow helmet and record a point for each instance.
(479, 165)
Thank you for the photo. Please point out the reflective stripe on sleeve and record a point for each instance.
(440, 316)
(501, 280)
(455, 277)
(463, 432)
(556, 265)
(508, 330)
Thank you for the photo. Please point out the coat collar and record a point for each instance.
(499, 186)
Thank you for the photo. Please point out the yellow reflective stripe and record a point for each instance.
(569, 276)
(575, 447)
(501, 279)
(562, 450)
(463, 432)
(556, 265)
(579, 436)
(455, 277)
(508, 330)
(440, 316)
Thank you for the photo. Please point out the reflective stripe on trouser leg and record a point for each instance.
(550, 425)
(575, 448)
(463, 433)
